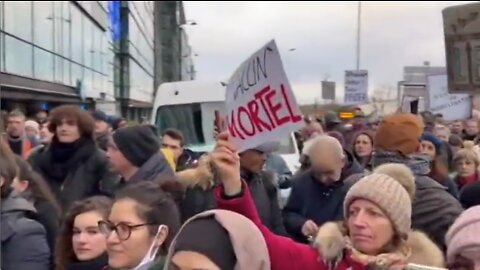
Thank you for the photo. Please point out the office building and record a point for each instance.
(54, 52)
(108, 55)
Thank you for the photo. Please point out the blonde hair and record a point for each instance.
(466, 154)
(322, 141)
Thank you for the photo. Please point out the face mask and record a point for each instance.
(152, 252)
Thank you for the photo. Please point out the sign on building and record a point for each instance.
(356, 87)
(260, 104)
(452, 107)
(328, 90)
(462, 43)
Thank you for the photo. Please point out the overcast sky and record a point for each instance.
(394, 35)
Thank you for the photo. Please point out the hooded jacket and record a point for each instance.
(24, 241)
(154, 169)
(248, 244)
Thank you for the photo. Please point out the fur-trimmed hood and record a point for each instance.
(330, 242)
(201, 175)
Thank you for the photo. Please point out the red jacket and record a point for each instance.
(285, 254)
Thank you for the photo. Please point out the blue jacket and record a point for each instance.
(312, 200)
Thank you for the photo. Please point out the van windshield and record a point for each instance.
(196, 122)
(185, 117)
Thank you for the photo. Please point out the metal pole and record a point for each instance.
(359, 21)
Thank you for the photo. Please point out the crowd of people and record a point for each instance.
(83, 190)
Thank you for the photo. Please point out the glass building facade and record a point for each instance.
(108, 55)
(139, 54)
(59, 43)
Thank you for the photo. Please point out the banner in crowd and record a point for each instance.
(260, 104)
(453, 107)
(356, 87)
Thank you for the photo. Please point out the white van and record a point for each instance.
(190, 107)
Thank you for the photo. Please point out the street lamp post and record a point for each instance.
(359, 21)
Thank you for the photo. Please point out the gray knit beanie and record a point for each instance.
(387, 194)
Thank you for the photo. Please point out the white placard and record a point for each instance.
(356, 87)
(260, 104)
(453, 107)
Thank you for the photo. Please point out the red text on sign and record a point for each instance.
(248, 121)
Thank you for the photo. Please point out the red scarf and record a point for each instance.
(463, 181)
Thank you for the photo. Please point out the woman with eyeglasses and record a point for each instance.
(141, 224)
(81, 245)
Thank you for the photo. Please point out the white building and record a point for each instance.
(415, 82)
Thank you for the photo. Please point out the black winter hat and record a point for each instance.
(470, 195)
(138, 144)
(207, 237)
(100, 115)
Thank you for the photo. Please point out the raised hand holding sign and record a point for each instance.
(226, 162)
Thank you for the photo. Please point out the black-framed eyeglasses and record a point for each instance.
(124, 231)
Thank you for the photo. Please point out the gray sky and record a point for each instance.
(394, 35)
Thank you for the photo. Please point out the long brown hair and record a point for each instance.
(64, 254)
(8, 167)
(38, 189)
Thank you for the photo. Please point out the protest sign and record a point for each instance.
(260, 104)
(452, 107)
(412, 266)
(356, 87)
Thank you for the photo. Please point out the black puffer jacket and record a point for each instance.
(434, 209)
(80, 172)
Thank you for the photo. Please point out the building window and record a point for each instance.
(97, 49)
(18, 19)
(44, 65)
(88, 29)
(77, 73)
(59, 69)
(67, 79)
(66, 29)
(88, 80)
(141, 83)
(43, 24)
(18, 60)
(2, 50)
(77, 35)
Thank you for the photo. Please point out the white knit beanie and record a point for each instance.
(387, 194)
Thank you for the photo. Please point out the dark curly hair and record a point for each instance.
(84, 121)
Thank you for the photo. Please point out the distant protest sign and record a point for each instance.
(356, 87)
(260, 104)
(452, 107)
